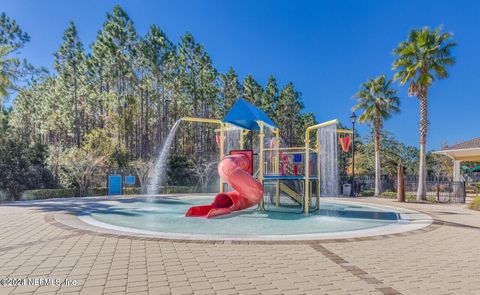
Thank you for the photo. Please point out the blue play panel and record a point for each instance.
(114, 185)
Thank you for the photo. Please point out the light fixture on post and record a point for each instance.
(353, 117)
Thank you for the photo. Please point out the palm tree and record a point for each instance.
(378, 101)
(423, 57)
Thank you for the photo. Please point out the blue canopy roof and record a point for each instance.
(245, 115)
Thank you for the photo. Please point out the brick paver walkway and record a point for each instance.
(440, 260)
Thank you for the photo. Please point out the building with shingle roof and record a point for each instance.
(462, 152)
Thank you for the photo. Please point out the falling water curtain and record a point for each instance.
(329, 180)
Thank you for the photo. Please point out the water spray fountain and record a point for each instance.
(159, 172)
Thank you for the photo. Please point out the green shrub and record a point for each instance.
(132, 191)
(103, 191)
(475, 204)
(389, 194)
(3, 196)
(177, 189)
(367, 193)
(97, 191)
(22, 167)
(411, 197)
(181, 171)
(42, 194)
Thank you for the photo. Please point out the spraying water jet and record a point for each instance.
(160, 168)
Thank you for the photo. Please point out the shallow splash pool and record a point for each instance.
(165, 215)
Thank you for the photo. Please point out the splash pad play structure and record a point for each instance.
(298, 175)
(263, 183)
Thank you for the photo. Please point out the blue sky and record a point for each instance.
(326, 48)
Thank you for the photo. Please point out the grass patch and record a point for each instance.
(475, 204)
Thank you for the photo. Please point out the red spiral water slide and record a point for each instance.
(247, 190)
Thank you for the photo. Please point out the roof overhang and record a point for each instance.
(470, 154)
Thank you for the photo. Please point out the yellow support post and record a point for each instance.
(307, 160)
(277, 155)
(201, 120)
(261, 157)
(277, 193)
(222, 151)
(242, 138)
(276, 165)
(303, 188)
(241, 142)
(318, 172)
(307, 173)
(348, 131)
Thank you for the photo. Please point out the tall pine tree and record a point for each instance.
(70, 66)
(230, 89)
(270, 97)
(114, 52)
(252, 91)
